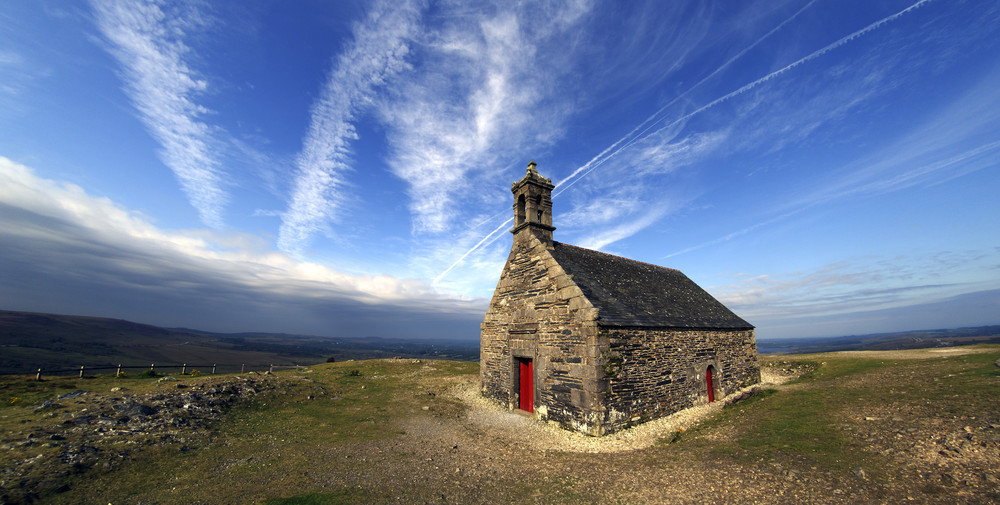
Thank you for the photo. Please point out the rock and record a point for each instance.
(47, 404)
(136, 410)
(859, 473)
(166, 379)
(153, 419)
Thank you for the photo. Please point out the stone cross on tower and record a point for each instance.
(533, 207)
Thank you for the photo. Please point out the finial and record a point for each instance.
(531, 168)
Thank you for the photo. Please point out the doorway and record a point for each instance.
(526, 385)
(711, 387)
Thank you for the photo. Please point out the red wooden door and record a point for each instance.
(526, 400)
(711, 390)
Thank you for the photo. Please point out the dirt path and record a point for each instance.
(489, 454)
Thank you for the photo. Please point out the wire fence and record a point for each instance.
(155, 369)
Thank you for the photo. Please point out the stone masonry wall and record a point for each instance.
(537, 312)
(655, 372)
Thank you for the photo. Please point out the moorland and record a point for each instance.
(914, 426)
(52, 342)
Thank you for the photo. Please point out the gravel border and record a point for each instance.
(549, 436)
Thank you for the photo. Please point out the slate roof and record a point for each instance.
(636, 294)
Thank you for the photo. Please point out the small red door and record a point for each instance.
(526, 395)
(711, 390)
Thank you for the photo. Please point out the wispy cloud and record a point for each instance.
(857, 284)
(651, 148)
(652, 125)
(662, 123)
(378, 51)
(627, 228)
(663, 143)
(147, 39)
(947, 146)
(941, 149)
(14, 79)
(477, 97)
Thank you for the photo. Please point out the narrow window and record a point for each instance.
(539, 216)
(520, 209)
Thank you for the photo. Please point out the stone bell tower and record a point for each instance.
(533, 207)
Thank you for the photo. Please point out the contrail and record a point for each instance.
(467, 253)
(645, 126)
(590, 166)
(632, 137)
(900, 181)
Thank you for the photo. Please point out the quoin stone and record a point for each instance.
(597, 342)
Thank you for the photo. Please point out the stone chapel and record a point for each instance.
(598, 342)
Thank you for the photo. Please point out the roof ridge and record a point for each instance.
(616, 256)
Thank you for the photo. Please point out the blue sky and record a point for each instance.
(343, 168)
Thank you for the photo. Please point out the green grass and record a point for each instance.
(287, 448)
(804, 424)
(345, 497)
(23, 393)
(795, 424)
(276, 441)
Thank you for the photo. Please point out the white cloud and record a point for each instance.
(147, 39)
(378, 51)
(476, 97)
(627, 227)
(63, 229)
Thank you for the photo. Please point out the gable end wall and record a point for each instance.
(537, 312)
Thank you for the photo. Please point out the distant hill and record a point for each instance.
(51, 341)
(30, 340)
(918, 339)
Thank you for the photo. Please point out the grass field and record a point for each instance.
(912, 426)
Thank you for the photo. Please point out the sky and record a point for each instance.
(823, 167)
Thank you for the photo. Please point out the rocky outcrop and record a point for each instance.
(100, 429)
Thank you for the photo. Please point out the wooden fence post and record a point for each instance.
(81, 371)
(119, 372)
(38, 376)
(242, 366)
(184, 369)
(272, 368)
(213, 368)
(151, 366)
